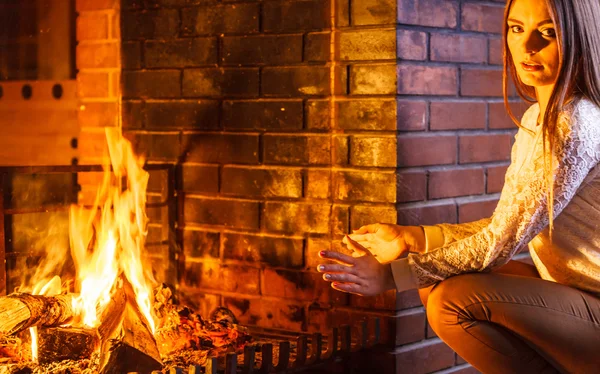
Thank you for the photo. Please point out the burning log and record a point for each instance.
(20, 311)
(58, 344)
(131, 346)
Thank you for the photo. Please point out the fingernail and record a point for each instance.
(321, 267)
(322, 253)
(327, 276)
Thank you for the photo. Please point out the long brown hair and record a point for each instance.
(578, 36)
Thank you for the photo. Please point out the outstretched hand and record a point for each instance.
(358, 275)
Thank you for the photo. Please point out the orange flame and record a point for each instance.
(107, 244)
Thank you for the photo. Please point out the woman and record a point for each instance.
(503, 316)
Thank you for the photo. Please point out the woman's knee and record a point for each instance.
(444, 299)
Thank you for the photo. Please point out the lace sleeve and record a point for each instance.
(454, 232)
(522, 210)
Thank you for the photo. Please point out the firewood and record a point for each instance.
(112, 315)
(131, 347)
(60, 343)
(20, 311)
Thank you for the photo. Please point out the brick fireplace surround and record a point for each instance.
(272, 168)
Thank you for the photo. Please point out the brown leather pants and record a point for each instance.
(511, 321)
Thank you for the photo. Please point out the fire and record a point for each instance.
(109, 238)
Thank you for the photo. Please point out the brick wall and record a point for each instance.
(271, 169)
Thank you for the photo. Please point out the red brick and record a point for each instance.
(427, 214)
(291, 16)
(294, 81)
(372, 151)
(92, 26)
(412, 115)
(473, 211)
(261, 49)
(221, 148)
(241, 214)
(262, 115)
(452, 183)
(200, 178)
(269, 250)
(217, 19)
(180, 53)
(92, 85)
(383, 301)
(156, 146)
(457, 115)
(85, 5)
(411, 45)
(200, 244)
(340, 150)
(499, 118)
(427, 80)
(152, 84)
(481, 82)
(495, 51)
(189, 114)
(424, 357)
(371, 186)
(274, 313)
(212, 275)
(484, 148)
(434, 13)
(410, 326)
(297, 285)
(411, 186)
(131, 55)
(458, 48)
(318, 115)
(365, 215)
(297, 217)
(482, 18)
(317, 46)
(374, 114)
(150, 24)
(260, 182)
(426, 150)
(373, 12)
(379, 44)
(495, 178)
(220, 82)
(103, 114)
(340, 220)
(317, 183)
(373, 79)
(296, 150)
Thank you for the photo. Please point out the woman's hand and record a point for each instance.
(364, 275)
(387, 242)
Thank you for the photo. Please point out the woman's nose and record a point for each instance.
(534, 42)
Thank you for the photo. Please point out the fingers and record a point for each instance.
(337, 257)
(342, 277)
(335, 268)
(347, 287)
(355, 246)
(367, 229)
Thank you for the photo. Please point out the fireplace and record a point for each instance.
(276, 127)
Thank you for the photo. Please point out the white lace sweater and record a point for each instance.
(521, 217)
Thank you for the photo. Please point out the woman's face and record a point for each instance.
(532, 42)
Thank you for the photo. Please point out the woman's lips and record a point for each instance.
(530, 66)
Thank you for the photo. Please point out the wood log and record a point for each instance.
(131, 347)
(112, 315)
(60, 343)
(20, 311)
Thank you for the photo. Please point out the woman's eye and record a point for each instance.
(549, 32)
(516, 28)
